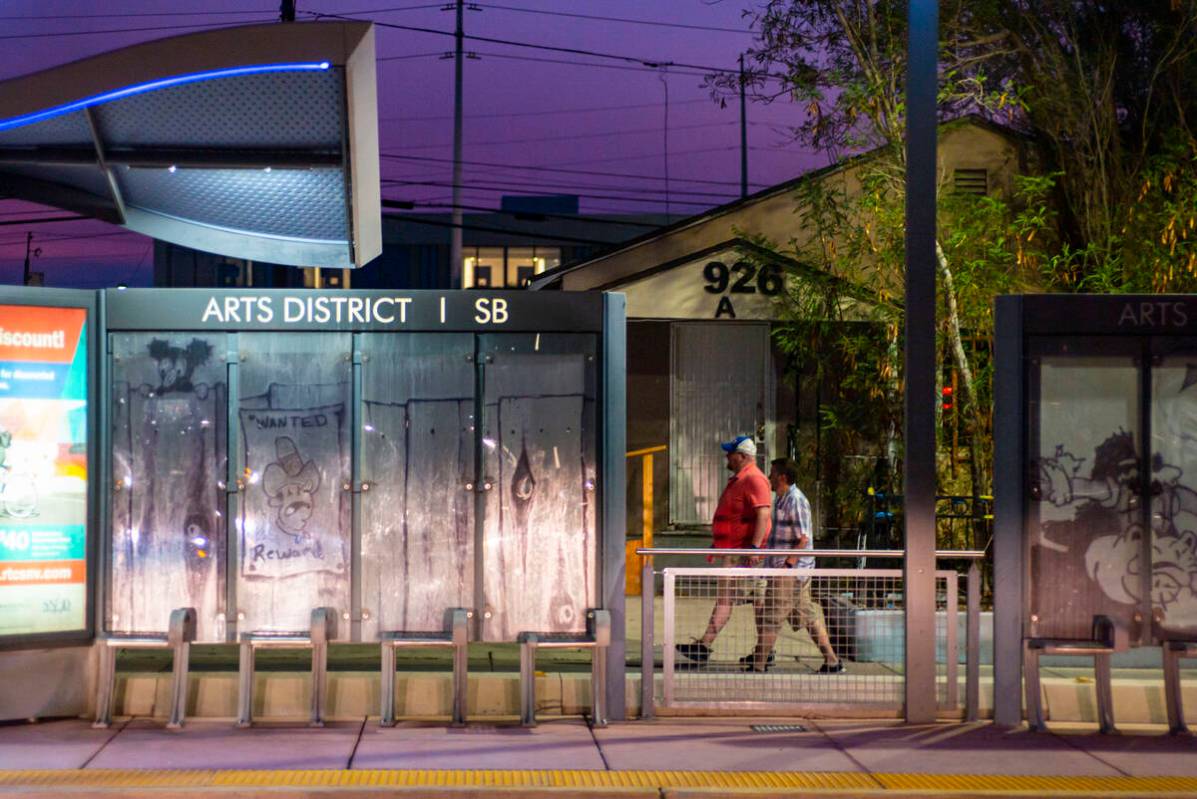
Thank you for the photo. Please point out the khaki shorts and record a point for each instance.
(789, 598)
(778, 601)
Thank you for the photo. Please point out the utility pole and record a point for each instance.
(665, 82)
(286, 11)
(743, 136)
(27, 275)
(455, 256)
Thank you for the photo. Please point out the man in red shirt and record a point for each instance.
(742, 521)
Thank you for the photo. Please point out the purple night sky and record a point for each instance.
(602, 119)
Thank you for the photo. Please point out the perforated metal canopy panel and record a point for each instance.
(256, 142)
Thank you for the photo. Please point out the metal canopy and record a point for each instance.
(256, 142)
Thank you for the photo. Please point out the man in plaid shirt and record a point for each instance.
(792, 529)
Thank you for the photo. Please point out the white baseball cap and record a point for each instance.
(743, 444)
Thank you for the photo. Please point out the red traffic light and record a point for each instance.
(947, 398)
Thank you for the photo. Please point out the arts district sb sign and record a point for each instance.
(43, 469)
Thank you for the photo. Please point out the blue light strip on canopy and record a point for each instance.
(164, 83)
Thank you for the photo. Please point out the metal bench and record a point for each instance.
(1175, 651)
(1108, 638)
(180, 633)
(323, 628)
(456, 635)
(597, 638)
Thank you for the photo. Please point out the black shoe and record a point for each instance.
(747, 660)
(831, 668)
(751, 668)
(697, 651)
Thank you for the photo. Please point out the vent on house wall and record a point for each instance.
(971, 181)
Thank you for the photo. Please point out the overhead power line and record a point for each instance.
(531, 234)
(409, 56)
(508, 189)
(139, 14)
(628, 20)
(545, 111)
(266, 10)
(623, 67)
(42, 220)
(564, 188)
(519, 181)
(524, 215)
(576, 136)
(125, 30)
(627, 59)
(672, 154)
(595, 172)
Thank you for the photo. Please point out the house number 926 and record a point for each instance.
(742, 278)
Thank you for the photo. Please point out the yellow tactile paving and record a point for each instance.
(578, 780)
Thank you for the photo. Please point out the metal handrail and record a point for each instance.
(943, 554)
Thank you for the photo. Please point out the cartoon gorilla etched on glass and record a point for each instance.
(290, 485)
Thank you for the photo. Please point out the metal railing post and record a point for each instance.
(952, 640)
(972, 663)
(647, 595)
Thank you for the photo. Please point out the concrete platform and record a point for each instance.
(663, 758)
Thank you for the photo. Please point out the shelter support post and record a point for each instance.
(1009, 435)
(920, 401)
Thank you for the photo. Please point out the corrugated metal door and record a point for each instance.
(720, 387)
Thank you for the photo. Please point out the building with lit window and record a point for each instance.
(502, 250)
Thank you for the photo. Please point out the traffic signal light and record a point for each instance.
(947, 398)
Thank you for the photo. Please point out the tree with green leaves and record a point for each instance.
(1098, 89)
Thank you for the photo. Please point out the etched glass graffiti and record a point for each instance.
(538, 463)
(1174, 493)
(418, 461)
(1091, 555)
(529, 563)
(1084, 558)
(294, 522)
(168, 455)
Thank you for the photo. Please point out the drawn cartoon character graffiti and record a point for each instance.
(290, 486)
(1107, 499)
(177, 364)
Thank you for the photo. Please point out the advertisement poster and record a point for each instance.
(43, 469)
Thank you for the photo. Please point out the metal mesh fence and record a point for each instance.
(796, 636)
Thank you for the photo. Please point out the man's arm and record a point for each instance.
(760, 534)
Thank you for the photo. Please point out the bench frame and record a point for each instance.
(456, 635)
(596, 638)
(1108, 638)
(1174, 651)
(180, 634)
(323, 629)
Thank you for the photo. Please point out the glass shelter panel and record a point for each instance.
(295, 511)
(1174, 493)
(1085, 508)
(417, 514)
(169, 434)
(538, 464)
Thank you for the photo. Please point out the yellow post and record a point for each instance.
(632, 561)
(646, 493)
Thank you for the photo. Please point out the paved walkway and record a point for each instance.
(662, 758)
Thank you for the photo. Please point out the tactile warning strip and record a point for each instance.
(926, 784)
